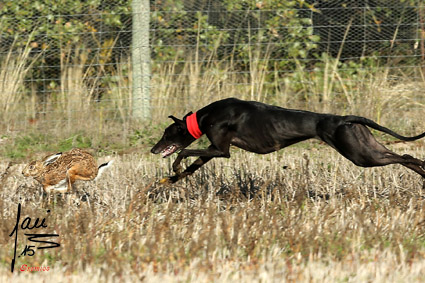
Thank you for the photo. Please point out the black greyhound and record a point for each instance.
(262, 128)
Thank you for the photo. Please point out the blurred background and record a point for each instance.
(106, 74)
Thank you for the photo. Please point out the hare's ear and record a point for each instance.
(52, 158)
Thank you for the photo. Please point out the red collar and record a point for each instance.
(192, 126)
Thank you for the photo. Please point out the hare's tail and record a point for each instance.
(102, 168)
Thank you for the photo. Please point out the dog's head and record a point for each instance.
(175, 137)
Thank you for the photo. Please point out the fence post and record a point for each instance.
(141, 60)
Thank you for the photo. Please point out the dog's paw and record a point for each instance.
(169, 180)
(165, 181)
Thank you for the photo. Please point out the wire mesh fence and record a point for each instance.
(67, 65)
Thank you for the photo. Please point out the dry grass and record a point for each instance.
(14, 67)
(247, 218)
(90, 98)
(302, 214)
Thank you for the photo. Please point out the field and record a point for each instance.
(303, 214)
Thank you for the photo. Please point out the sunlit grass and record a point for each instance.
(300, 214)
(303, 214)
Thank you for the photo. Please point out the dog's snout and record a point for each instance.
(158, 146)
(155, 149)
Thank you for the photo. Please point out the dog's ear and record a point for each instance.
(176, 120)
(188, 114)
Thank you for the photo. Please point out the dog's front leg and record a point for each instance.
(177, 168)
(189, 170)
(205, 155)
(210, 152)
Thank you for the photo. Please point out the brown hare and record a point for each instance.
(59, 171)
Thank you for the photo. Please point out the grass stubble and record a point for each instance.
(302, 214)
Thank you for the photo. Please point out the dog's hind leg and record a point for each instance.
(414, 166)
(356, 143)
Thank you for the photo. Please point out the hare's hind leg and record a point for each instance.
(78, 172)
(70, 179)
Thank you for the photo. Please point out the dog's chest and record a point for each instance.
(259, 146)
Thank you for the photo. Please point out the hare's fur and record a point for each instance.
(59, 171)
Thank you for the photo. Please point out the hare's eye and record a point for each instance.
(31, 167)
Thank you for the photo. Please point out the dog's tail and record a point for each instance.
(102, 168)
(376, 126)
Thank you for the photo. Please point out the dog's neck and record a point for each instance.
(192, 126)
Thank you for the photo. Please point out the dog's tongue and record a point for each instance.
(168, 150)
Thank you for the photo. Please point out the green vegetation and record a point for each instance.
(300, 214)
(27, 145)
(73, 57)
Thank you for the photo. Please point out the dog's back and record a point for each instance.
(259, 127)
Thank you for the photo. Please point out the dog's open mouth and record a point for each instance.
(169, 150)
